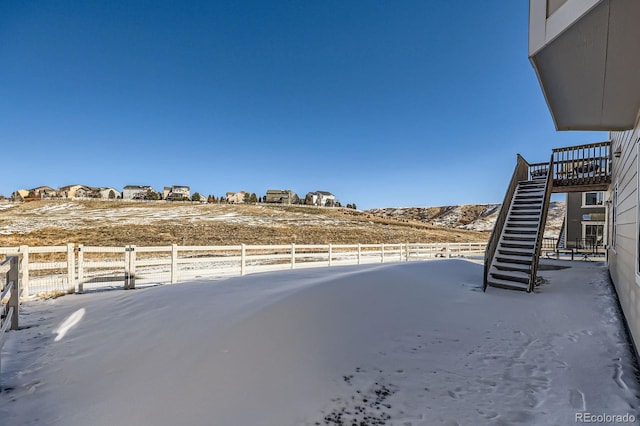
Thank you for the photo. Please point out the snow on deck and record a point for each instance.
(405, 344)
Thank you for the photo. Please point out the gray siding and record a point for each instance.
(622, 257)
(574, 220)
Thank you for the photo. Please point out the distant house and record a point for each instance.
(176, 193)
(44, 192)
(281, 196)
(236, 197)
(109, 193)
(20, 195)
(136, 192)
(320, 198)
(75, 191)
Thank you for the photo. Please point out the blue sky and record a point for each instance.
(383, 103)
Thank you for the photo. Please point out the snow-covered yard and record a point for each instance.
(398, 344)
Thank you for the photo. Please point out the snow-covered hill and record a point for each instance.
(476, 217)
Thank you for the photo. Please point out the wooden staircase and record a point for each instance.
(516, 252)
(513, 250)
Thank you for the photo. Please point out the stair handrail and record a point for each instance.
(541, 225)
(520, 173)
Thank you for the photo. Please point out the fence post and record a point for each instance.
(382, 253)
(293, 255)
(24, 269)
(406, 249)
(71, 268)
(243, 253)
(330, 253)
(174, 263)
(359, 252)
(448, 247)
(127, 264)
(132, 268)
(14, 300)
(80, 268)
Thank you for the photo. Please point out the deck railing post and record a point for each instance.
(71, 268)
(14, 299)
(80, 286)
(243, 253)
(24, 269)
(174, 263)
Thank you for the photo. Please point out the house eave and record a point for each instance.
(588, 69)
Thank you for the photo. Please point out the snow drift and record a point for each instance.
(405, 344)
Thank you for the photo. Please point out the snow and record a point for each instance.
(411, 344)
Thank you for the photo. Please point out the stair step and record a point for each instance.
(522, 277)
(526, 206)
(519, 237)
(525, 212)
(515, 251)
(517, 245)
(530, 191)
(513, 267)
(523, 225)
(527, 203)
(521, 217)
(509, 285)
(523, 230)
(525, 260)
(528, 182)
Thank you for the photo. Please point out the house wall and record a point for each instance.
(574, 221)
(130, 193)
(623, 231)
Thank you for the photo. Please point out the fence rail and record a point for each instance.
(69, 268)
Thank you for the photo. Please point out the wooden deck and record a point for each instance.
(578, 168)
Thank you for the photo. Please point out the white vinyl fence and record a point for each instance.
(81, 268)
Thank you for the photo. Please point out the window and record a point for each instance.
(593, 234)
(593, 199)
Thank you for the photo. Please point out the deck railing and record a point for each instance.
(520, 173)
(65, 269)
(588, 164)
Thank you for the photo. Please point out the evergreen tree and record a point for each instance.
(151, 195)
